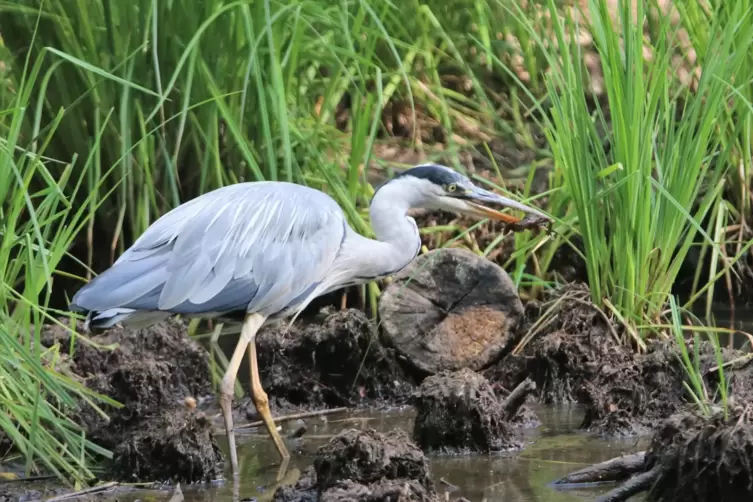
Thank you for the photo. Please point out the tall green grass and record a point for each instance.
(690, 359)
(257, 89)
(248, 90)
(38, 223)
(643, 193)
(735, 128)
(232, 87)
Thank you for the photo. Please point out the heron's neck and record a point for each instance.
(398, 241)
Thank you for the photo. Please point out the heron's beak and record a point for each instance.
(478, 201)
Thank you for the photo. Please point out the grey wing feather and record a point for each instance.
(257, 246)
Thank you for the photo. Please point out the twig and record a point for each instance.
(634, 485)
(616, 469)
(733, 362)
(450, 486)
(543, 321)
(85, 491)
(30, 478)
(294, 416)
(603, 316)
(517, 397)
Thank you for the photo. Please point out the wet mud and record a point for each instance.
(630, 397)
(27, 491)
(692, 456)
(459, 412)
(5, 444)
(577, 355)
(703, 459)
(333, 359)
(360, 466)
(152, 372)
(565, 351)
(177, 444)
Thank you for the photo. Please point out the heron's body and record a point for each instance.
(266, 250)
(264, 247)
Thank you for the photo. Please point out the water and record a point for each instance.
(552, 450)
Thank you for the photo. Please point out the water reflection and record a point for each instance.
(551, 451)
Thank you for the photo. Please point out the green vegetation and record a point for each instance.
(696, 382)
(644, 191)
(127, 109)
(39, 225)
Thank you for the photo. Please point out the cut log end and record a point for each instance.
(450, 309)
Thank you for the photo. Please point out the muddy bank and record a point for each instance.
(333, 359)
(577, 354)
(5, 444)
(693, 455)
(28, 491)
(365, 466)
(152, 372)
(564, 344)
(159, 375)
(696, 458)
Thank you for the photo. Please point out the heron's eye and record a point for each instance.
(451, 187)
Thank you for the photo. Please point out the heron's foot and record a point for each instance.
(261, 401)
(226, 404)
(283, 469)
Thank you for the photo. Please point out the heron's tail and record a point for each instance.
(134, 319)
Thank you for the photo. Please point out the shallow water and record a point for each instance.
(553, 450)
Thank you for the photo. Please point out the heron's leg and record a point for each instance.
(262, 403)
(251, 325)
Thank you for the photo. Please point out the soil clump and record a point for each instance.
(568, 343)
(450, 309)
(151, 372)
(333, 359)
(28, 491)
(703, 459)
(360, 466)
(631, 398)
(691, 457)
(177, 444)
(578, 355)
(459, 412)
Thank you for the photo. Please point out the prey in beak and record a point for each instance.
(478, 202)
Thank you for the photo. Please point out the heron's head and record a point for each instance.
(439, 187)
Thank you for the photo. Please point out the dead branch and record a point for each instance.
(632, 486)
(616, 469)
(295, 416)
(517, 397)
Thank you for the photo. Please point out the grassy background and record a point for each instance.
(115, 113)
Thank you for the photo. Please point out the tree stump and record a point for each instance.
(450, 309)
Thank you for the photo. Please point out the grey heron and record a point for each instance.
(265, 250)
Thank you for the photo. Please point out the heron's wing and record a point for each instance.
(255, 245)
